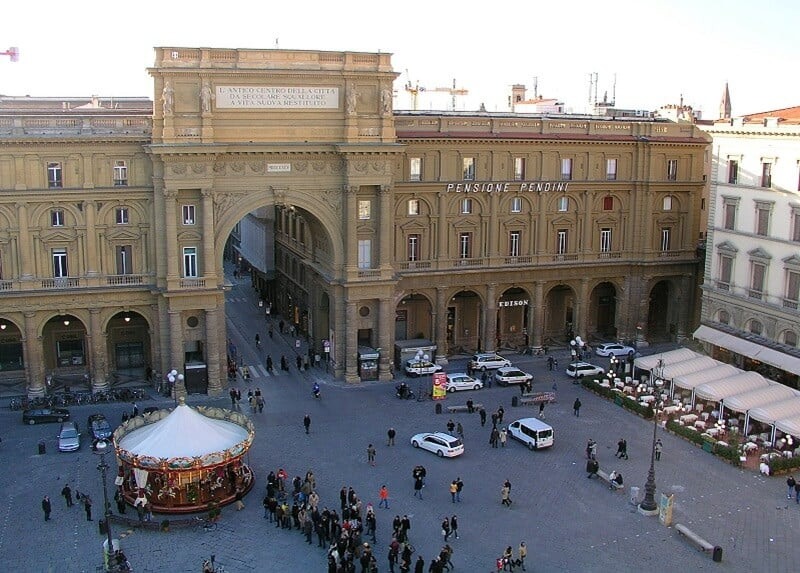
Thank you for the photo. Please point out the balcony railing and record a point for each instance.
(61, 282)
(518, 260)
(564, 258)
(468, 262)
(789, 303)
(193, 283)
(414, 265)
(369, 274)
(757, 294)
(609, 255)
(115, 280)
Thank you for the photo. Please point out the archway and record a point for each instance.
(560, 314)
(463, 323)
(12, 354)
(603, 309)
(65, 352)
(129, 347)
(661, 316)
(413, 318)
(512, 319)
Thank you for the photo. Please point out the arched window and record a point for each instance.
(790, 338)
(724, 317)
(756, 327)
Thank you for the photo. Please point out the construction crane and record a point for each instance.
(414, 89)
(12, 53)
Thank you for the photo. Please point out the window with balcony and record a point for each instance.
(513, 243)
(672, 170)
(608, 203)
(57, 218)
(566, 169)
(733, 171)
(364, 210)
(54, 175)
(413, 206)
(766, 174)
(516, 205)
(120, 173)
(562, 236)
(792, 296)
(122, 216)
(364, 254)
(611, 169)
(415, 169)
(666, 238)
(123, 259)
(466, 206)
(763, 212)
(468, 169)
(563, 204)
(725, 272)
(60, 270)
(519, 169)
(758, 272)
(465, 245)
(413, 247)
(188, 215)
(190, 262)
(605, 240)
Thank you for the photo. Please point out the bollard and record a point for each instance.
(514, 401)
(42, 447)
(438, 408)
(717, 556)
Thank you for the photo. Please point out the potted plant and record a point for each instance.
(213, 511)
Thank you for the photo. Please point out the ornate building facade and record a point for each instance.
(475, 230)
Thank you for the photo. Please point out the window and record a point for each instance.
(563, 204)
(513, 243)
(766, 174)
(790, 338)
(188, 215)
(666, 204)
(60, 263)
(757, 273)
(756, 327)
(672, 170)
(190, 262)
(124, 260)
(792, 289)
(561, 241)
(611, 169)
(519, 169)
(120, 173)
(364, 210)
(608, 203)
(566, 169)
(516, 205)
(122, 216)
(796, 225)
(605, 240)
(725, 272)
(415, 169)
(54, 175)
(763, 211)
(364, 254)
(413, 247)
(466, 206)
(468, 169)
(465, 246)
(413, 206)
(730, 216)
(724, 317)
(665, 238)
(57, 217)
(733, 171)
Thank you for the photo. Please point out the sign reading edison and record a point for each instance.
(275, 97)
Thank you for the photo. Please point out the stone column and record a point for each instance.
(493, 230)
(442, 252)
(684, 302)
(25, 242)
(440, 325)
(536, 323)
(351, 344)
(92, 259)
(34, 357)
(177, 355)
(386, 218)
(490, 319)
(99, 350)
(583, 309)
(386, 326)
(351, 225)
(171, 234)
(213, 355)
(209, 255)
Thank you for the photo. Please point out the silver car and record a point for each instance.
(69, 438)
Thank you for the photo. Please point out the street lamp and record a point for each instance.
(101, 448)
(649, 505)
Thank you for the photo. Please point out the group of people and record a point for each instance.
(66, 493)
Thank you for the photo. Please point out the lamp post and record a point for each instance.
(649, 505)
(101, 448)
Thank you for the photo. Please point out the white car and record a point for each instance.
(581, 369)
(420, 367)
(441, 444)
(488, 361)
(615, 349)
(461, 381)
(511, 375)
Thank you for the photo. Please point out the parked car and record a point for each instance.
(581, 369)
(441, 444)
(532, 432)
(69, 438)
(39, 415)
(488, 361)
(511, 375)
(98, 426)
(614, 348)
(419, 367)
(461, 381)
(150, 409)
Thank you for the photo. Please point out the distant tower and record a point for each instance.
(725, 104)
(517, 95)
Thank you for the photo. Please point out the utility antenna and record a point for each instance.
(276, 44)
(614, 91)
(535, 87)
(12, 52)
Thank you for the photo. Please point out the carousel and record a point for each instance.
(184, 460)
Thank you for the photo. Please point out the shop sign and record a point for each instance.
(515, 187)
(523, 302)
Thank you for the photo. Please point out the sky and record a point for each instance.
(656, 50)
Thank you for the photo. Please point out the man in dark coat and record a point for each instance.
(46, 507)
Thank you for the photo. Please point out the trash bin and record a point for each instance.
(514, 401)
(101, 525)
(717, 556)
(438, 408)
(634, 495)
(42, 447)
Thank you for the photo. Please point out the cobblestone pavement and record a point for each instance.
(568, 522)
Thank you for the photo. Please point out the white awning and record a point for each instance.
(760, 397)
(736, 384)
(689, 381)
(790, 426)
(750, 349)
(777, 411)
(670, 357)
(695, 364)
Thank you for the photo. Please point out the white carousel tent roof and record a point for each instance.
(184, 433)
(669, 357)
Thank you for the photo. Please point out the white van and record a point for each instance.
(532, 432)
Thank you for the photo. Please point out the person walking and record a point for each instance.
(383, 494)
(451, 426)
(460, 431)
(454, 526)
(446, 529)
(790, 483)
(135, 410)
(46, 507)
(459, 487)
(453, 490)
(494, 437)
(624, 449)
(371, 455)
(541, 410)
(620, 449)
(659, 447)
(503, 437)
(419, 566)
(307, 422)
(576, 407)
(505, 495)
(482, 414)
(523, 553)
(797, 492)
(550, 363)
(418, 485)
(500, 413)
(67, 493)
(390, 433)
(87, 507)
(258, 340)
